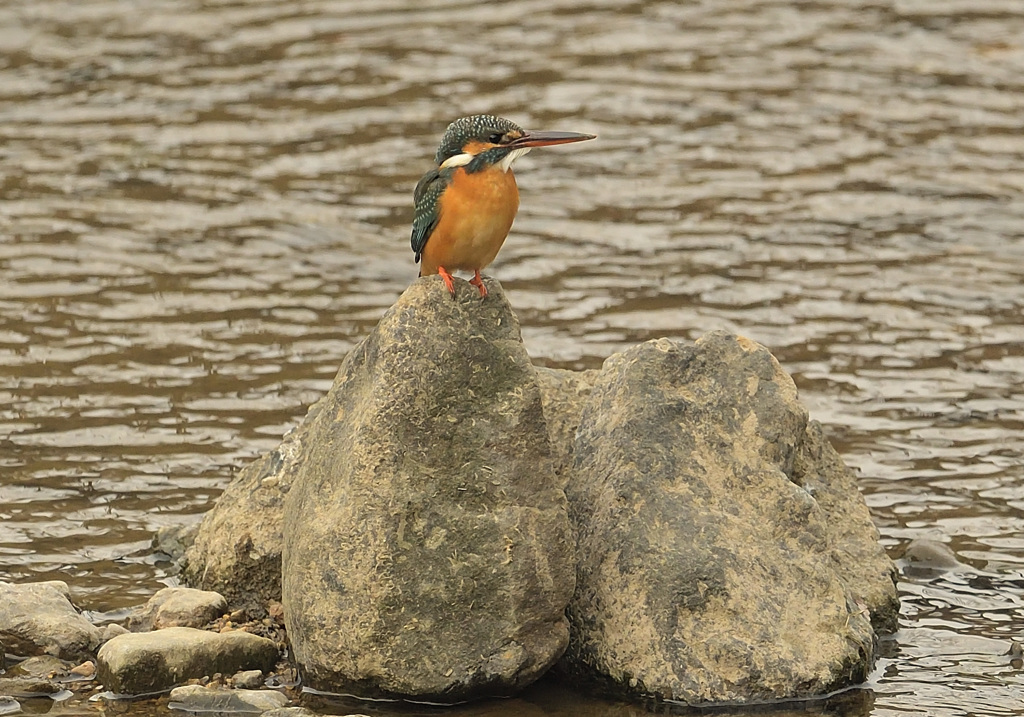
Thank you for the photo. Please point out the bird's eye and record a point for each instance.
(495, 138)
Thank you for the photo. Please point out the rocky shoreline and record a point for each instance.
(451, 522)
(181, 643)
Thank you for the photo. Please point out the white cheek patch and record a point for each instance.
(458, 160)
(506, 163)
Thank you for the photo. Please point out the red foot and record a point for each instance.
(479, 284)
(447, 279)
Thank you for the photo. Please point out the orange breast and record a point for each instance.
(476, 214)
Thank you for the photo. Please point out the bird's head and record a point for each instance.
(483, 141)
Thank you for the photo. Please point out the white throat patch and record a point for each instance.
(506, 163)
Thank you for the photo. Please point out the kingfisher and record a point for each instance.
(466, 204)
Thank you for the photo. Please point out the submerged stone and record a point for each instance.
(45, 667)
(925, 554)
(27, 687)
(295, 712)
(196, 698)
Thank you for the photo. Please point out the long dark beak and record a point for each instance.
(546, 139)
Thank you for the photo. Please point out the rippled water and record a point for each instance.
(206, 203)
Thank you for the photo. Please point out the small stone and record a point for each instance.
(108, 632)
(38, 618)
(248, 679)
(193, 698)
(86, 669)
(927, 557)
(177, 607)
(276, 611)
(143, 663)
(289, 677)
(9, 705)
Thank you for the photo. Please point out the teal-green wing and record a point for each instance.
(428, 206)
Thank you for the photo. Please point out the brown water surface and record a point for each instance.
(204, 204)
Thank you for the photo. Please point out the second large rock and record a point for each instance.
(707, 571)
(427, 551)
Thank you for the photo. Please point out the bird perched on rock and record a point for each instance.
(465, 206)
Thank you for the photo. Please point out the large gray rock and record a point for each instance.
(146, 662)
(426, 541)
(772, 477)
(178, 607)
(38, 618)
(705, 573)
(237, 548)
